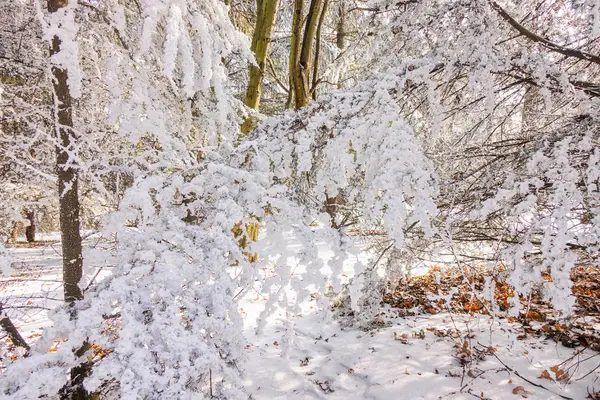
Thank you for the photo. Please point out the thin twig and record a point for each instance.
(93, 279)
(527, 380)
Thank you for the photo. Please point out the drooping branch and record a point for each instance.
(582, 55)
(7, 325)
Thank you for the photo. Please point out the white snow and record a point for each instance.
(326, 361)
(307, 354)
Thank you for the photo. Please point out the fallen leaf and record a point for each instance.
(545, 375)
(561, 375)
(520, 390)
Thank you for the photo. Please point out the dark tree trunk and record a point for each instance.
(341, 27)
(67, 174)
(69, 209)
(74, 389)
(30, 230)
(341, 36)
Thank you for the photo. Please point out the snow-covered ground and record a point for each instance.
(34, 288)
(310, 356)
(412, 359)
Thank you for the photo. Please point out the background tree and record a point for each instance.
(261, 40)
(303, 65)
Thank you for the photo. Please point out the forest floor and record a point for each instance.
(416, 349)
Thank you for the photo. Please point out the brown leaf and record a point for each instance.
(545, 375)
(403, 338)
(561, 375)
(520, 390)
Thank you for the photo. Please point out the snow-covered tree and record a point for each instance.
(460, 126)
(489, 87)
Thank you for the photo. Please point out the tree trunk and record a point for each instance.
(14, 232)
(341, 27)
(67, 174)
(30, 230)
(315, 78)
(261, 40)
(340, 38)
(296, 40)
(74, 389)
(303, 67)
(69, 208)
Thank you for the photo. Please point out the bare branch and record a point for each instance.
(582, 55)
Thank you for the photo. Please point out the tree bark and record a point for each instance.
(14, 232)
(74, 389)
(69, 208)
(341, 27)
(30, 230)
(303, 68)
(296, 40)
(67, 174)
(315, 78)
(261, 41)
(340, 38)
